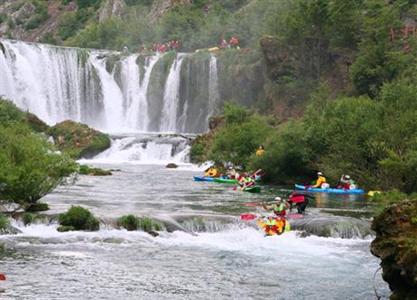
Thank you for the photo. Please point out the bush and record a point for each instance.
(28, 218)
(131, 222)
(29, 167)
(79, 218)
(239, 137)
(41, 14)
(4, 222)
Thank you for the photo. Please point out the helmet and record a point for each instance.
(278, 199)
(347, 176)
(319, 173)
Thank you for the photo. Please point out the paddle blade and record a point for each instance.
(247, 217)
(2, 277)
(252, 204)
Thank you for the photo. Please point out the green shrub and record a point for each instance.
(239, 137)
(9, 113)
(88, 3)
(79, 218)
(147, 224)
(41, 14)
(28, 218)
(129, 222)
(4, 222)
(29, 166)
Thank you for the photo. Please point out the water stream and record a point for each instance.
(224, 259)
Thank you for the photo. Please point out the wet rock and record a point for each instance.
(153, 233)
(79, 140)
(396, 245)
(171, 166)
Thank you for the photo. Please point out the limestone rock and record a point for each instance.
(396, 245)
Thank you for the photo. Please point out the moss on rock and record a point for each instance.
(86, 170)
(36, 207)
(396, 245)
(79, 140)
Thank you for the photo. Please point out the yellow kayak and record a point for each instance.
(274, 225)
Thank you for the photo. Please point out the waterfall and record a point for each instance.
(44, 80)
(171, 97)
(112, 95)
(111, 91)
(214, 95)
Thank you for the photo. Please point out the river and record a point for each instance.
(214, 256)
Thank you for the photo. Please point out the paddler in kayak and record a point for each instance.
(346, 183)
(320, 182)
(211, 172)
(278, 207)
(246, 182)
(231, 173)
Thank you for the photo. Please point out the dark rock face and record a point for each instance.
(396, 245)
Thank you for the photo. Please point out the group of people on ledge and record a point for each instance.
(345, 182)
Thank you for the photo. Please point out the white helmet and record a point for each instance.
(347, 176)
(319, 173)
(278, 199)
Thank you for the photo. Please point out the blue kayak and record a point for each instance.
(203, 178)
(329, 190)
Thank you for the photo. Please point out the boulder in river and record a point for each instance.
(396, 245)
(171, 166)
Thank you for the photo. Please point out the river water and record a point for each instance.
(207, 253)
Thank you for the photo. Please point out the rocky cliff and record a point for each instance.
(396, 245)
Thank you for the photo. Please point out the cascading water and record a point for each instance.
(108, 90)
(171, 97)
(214, 95)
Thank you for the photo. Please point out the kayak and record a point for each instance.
(204, 178)
(280, 225)
(225, 180)
(252, 189)
(329, 190)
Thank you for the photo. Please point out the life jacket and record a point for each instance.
(212, 172)
(297, 198)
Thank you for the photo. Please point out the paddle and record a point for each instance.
(2, 276)
(248, 217)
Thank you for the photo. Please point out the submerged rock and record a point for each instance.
(396, 245)
(171, 166)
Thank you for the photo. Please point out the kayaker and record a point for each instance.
(231, 173)
(211, 172)
(273, 225)
(299, 200)
(346, 183)
(320, 181)
(278, 207)
(260, 151)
